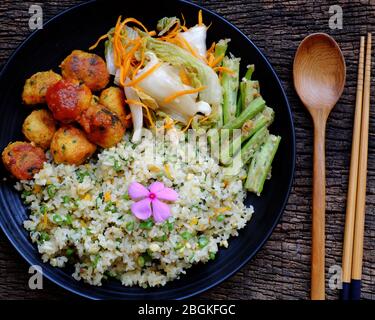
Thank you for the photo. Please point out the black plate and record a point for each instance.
(78, 28)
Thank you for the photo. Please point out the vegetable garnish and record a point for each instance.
(143, 75)
(188, 125)
(139, 103)
(200, 18)
(105, 36)
(183, 92)
(224, 69)
(148, 201)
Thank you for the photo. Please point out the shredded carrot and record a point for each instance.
(104, 36)
(152, 33)
(200, 19)
(188, 124)
(182, 93)
(135, 21)
(210, 59)
(184, 77)
(144, 75)
(140, 64)
(204, 119)
(224, 69)
(172, 33)
(139, 103)
(107, 196)
(212, 48)
(217, 60)
(184, 22)
(45, 220)
(221, 210)
(169, 123)
(188, 46)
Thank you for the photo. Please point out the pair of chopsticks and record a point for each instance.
(356, 202)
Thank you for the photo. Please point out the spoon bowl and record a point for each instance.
(319, 71)
(319, 78)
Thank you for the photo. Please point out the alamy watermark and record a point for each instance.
(336, 19)
(36, 278)
(36, 19)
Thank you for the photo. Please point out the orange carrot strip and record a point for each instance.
(217, 60)
(188, 125)
(184, 77)
(104, 36)
(144, 75)
(139, 103)
(200, 19)
(224, 69)
(182, 93)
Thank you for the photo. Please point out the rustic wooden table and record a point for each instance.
(281, 270)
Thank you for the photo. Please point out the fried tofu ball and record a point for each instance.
(23, 159)
(114, 99)
(102, 126)
(70, 145)
(86, 67)
(39, 127)
(67, 99)
(35, 88)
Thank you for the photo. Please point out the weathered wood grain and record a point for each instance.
(282, 269)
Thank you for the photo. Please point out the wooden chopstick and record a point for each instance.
(353, 177)
(355, 287)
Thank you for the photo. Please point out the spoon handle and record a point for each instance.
(318, 209)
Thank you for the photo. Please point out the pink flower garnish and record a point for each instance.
(148, 200)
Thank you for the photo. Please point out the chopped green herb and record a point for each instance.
(66, 199)
(220, 217)
(68, 219)
(202, 241)
(81, 175)
(69, 252)
(168, 226)
(117, 166)
(26, 193)
(178, 246)
(130, 226)
(43, 209)
(147, 257)
(96, 260)
(212, 255)
(141, 261)
(51, 190)
(147, 224)
(186, 235)
(43, 237)
(126, 196)
(57, 219)
(110, 207)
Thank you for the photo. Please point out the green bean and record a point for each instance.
(260, 165)
(254, 108)
(230, 83)
(221, 48)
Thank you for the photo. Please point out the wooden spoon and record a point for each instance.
(319, 77)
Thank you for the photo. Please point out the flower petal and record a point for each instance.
(137, 191)
(156, 186)
(142, 209)
(160, 211)
(167, 194)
